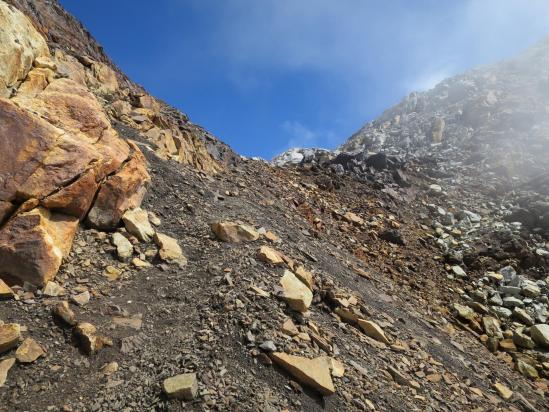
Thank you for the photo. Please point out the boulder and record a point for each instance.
(137, 223)
(296, 294)
(20, 45)
(234, 232)
(120, 192)
(314, 373)
(33, 244)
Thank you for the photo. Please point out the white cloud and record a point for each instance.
(300, 135)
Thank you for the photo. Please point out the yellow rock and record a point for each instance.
(5, 291)
(296, 294)
(10, 333)
(269, 255)
(184, 386)
(373, 330)
(29, 351)
(169, 248)
(503, 390)
(234, 232)
(5, 366)
(314, 373)
(305, 276)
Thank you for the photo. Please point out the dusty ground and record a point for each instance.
(198, 318)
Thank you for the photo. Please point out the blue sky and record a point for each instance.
(266, 75)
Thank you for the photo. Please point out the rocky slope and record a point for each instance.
(144, 266)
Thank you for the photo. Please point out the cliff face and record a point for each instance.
(501, 110)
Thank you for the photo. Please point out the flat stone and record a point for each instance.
(137, 223)
(184, 386)
(5, 366)
(5, 291)
(170, 250)
(353, 218)
(268, 346)
(314, 373)
(512, 302)
(289, 328)
(503, 391)
(10, 333)
(63, 312)
(531, 291)
(296, 294)
(124, 248)
(234, 232)
(521, 340)
(138, 263)
(458, 271)
(29, 351)
(500, 312)
(269, 255)
(540, 334)
(373, 330)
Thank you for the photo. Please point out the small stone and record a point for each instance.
(81, 299)
(89, 341)
(5, 291)
(52, 289)
(503, 391)
(531, 291)
(314, 373)
(305, 276)
(155, 220)
(268, 346)
(5, 366)
(137, 223)
(271, 237)
(184, 386)
(296, 294)
(522, 340)
(353, 218)
(29, 351)
(10, 333)
(234, 232)
(109, 368)
(124, 248)
(540, 334)
(458, 271)
(512, 302)
(63, 312)
(507, 345)
(373, 330)
(526, 369)
(269, 255)
(492, 327)
(138, 263)
(500, 312)
(112, 273)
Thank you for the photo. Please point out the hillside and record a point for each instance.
(146, 266)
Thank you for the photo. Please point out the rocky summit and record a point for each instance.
(146, 266)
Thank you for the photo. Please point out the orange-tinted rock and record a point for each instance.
(33, 244)
(75, 199)
(120, 192)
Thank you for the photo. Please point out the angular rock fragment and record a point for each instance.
(373, 330)
(33, 244)
(10, 333)
(234, 232)
(137, 223)
(503, 391)
(169, 249)
(305, 276)
(5, 291)
(296, 294)
(53, 289)
(124, 248)
(269, 255)
(63, 312)
(540, 334)
(5, 366)
(314, 373)
(86, 336)
(184, 386)
(29, 351)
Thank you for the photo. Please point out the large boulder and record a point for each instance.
(33, 244)
(120, 192)
(20, 45)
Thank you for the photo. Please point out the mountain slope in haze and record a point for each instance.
(504, 106)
